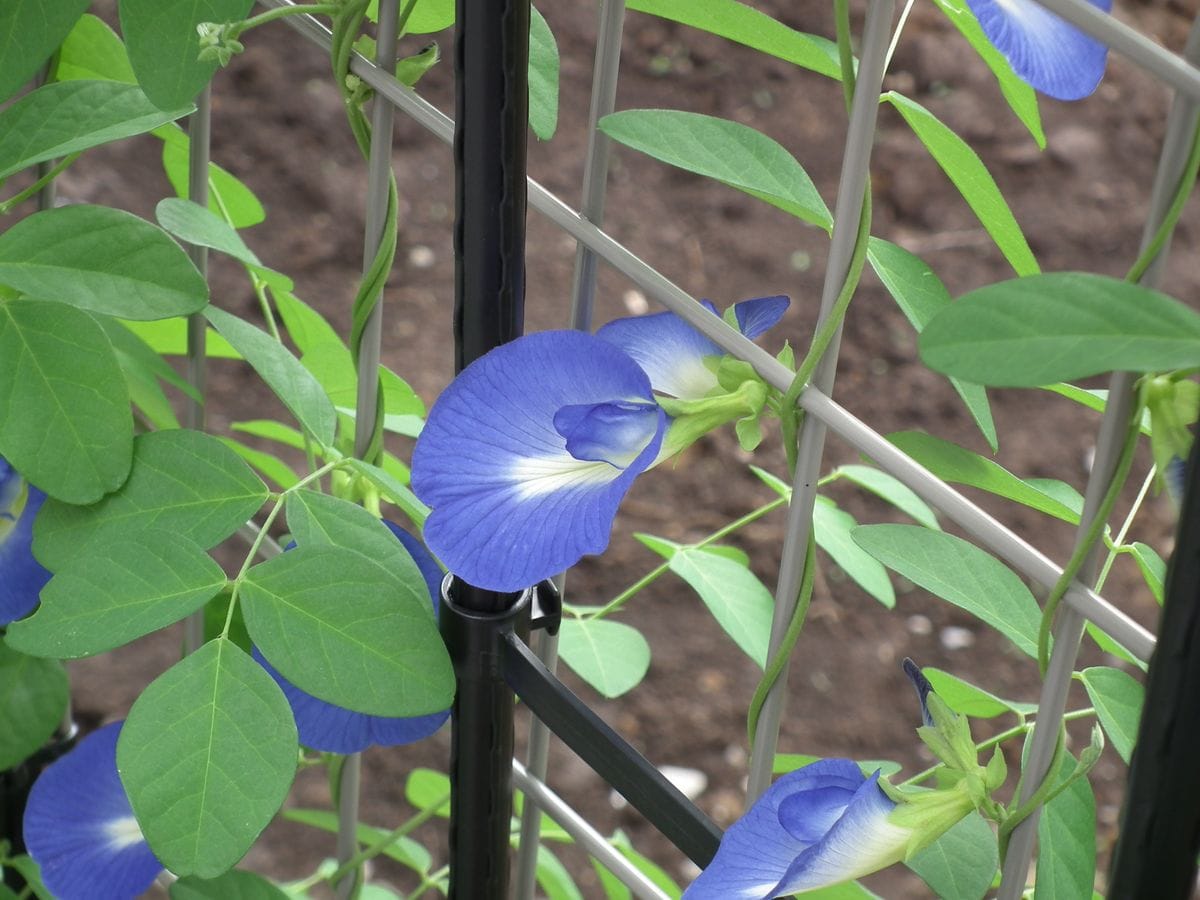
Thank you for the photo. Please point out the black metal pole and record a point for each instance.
(1160, 819)
(491, 122)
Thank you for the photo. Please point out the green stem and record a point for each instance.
(19, 198)
(1119, 541)
(841, 12)
(1182, 191)
(312, 9)
(658, 571)
(373, 850)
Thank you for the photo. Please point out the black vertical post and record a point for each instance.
(1160, 818)
(491, 119)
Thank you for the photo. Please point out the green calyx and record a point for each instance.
(1174, 406)
(692, 419)
(927, 814)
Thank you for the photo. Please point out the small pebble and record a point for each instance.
(421, 257)
(919, 625)
(635, 302)
(955, 638)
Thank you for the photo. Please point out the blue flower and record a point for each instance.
(678, 358)
(1045, 51)
(527, 453)
(334, 729)
(817, 826)
(21, 576)
(80, 828)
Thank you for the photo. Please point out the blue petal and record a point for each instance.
(758, 316)
(1175, 478)
(80, 828)
(1047, 52)
(757, 850)
(21, 576)
(334, 729)
(614, 433)
(922, 686)
(511, 506)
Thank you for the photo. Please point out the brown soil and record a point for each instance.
(278, 124)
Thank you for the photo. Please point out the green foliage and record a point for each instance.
(960, 864)
(403, 850)
(93, 52)
(30, 31)
(891, 489)
(610, 656)
(1066, 862)
(235, 884)
(33, 699)
(197, 225)
(968, 700)
(543, 77)
(1118, 699)
(832, 527)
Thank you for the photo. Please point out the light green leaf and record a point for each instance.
(743, 24)
(67, 117)
(646, 866)
(1118, 698)
(1153, 569)
(305, 326)
(964, 697)
(426, 789)
(93, 52)
(28, 869)
(790, 762)
(182, 483)
(1066, 863)
(64, 406)
(726, 151)
(31, 30)
(227, 195)
(961, 863)
(272, 431)
(101, 260)
(960, 466)
(403, 850)
(553, 877)
(33, 699)
(342, 628)
(392, 490)
(960, 573)
(920, 294)
(169, 337)
(266, 464)
(1020, 96)
(164, 46)
(207, 756)
(427, 16)
(1060, 491)
(972, 179)
(235, 884)
(610, 656)
(1027, 332)
(849, 890)
(543, 77)
(892, 490)
(116, 591)
(143, 370)
(832, 528)
(193, 223)
(290, 381)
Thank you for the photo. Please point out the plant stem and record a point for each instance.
(19, 198)
(1163, 234)
(313, 9)
(841, 12)
(1119, 540)
(387, 840)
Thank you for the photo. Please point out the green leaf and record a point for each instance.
(832, 527)
(610, 656)
(790, 762)
(1118, 698)
(1153, 569)
(920, 294)
(726, 151)
(403, 850)
(427, 16)
(64, 406)
(266, 464)
(93, 52)
(195, 224)
(271, 431)
(183, 483)
(964, 697)
(164, 46)
(31, 30)
(29, 870)
(973, 180)
(646, 866)
(543, 77)
(957, 465)
(891, 489)
(392, 490)
(426, 789)
(960, 573)
(207, 756)
(227, 195)
(143, 369)
(282, 372)
(553, 877)
(1027, 332)
(744, 25)
(169, 337)
(33, 700)
(116, 591)
(101, 260)
(344, 629)
(1020, 96)
(235, 884)
(961, 863)
(1066, 863)
(305, 326)
(67, 117)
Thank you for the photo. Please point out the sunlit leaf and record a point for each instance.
(610, 656)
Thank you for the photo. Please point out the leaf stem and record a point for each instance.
(1118, 542)
(17, 199)
(312, 9)
(373, 850)
(1182, 192)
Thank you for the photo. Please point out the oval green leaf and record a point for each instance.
(233, 885)
(102, 260)
(342, 628)
(832, 528)
(964, 697)
(1028, 332)
(961, 863)
(543, 77)
(739, 602)
(195, 224)
(116, 591)
(610, 656)
(1066, 863)
(93, 52)
(33, 699)
(891, 489)
(183, 483)
(207, 756)
(64, 405)
(31, 30)
(1118, 698)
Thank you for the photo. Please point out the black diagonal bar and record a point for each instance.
(1160, 818)
(619, 764)
(492, 103)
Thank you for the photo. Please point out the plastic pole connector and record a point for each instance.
(481, 743)
(1159, 835)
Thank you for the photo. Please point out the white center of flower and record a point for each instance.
(123, 832)
(534, 476)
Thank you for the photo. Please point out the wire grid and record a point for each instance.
(594, 244)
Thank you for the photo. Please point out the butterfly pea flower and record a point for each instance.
(1048, 53)
(21, 576)
(80, 829)
(335, 729)
(526, 455)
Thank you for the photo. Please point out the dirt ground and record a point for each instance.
(278, 125)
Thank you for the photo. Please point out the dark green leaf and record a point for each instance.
(233, 885)
(961, 863)
(610, 656)
(31, 30)
(1066, 863)
(33, 699)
